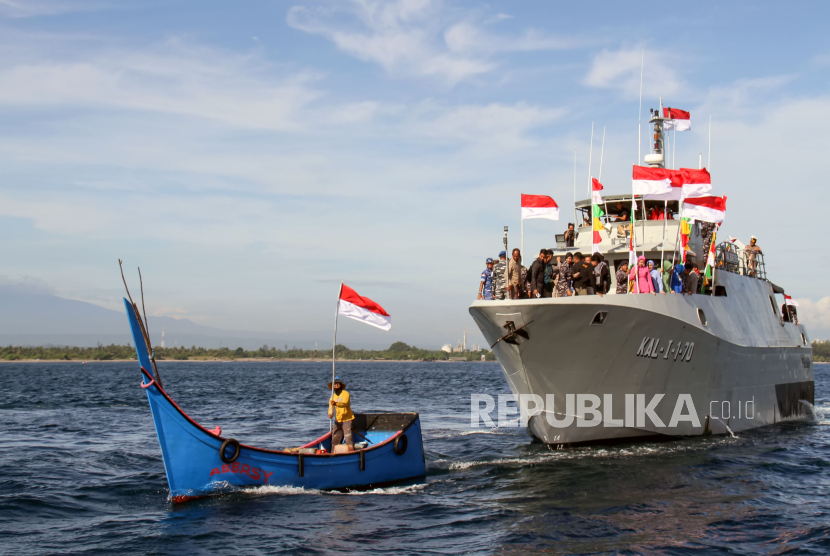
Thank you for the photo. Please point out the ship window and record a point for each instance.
(720, 291)
(702, 316)
(599, 318)
(804, 338)
(772, 302)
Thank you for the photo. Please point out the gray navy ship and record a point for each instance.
(616, 368)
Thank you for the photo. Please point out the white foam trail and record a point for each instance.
(284, 490)
(732, 434)
(294, 491)
(388, 490)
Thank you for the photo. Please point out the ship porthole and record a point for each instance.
(599, 318)
(702, 316)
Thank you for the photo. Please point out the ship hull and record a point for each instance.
(597, 379)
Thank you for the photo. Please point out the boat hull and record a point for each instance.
(744, 368)
(195, 468)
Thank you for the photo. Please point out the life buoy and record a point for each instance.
(400, 444)
(229, 442)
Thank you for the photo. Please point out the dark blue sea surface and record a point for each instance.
(81, 472)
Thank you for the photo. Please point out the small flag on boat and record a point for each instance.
(710, 260)
(678, 119)
(652, 181)
(596, 213)
(706, 209)
(790, 301)
(539, 206)
(362, 308)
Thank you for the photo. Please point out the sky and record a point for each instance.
(249, 156)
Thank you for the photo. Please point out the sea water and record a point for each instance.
(81, 471)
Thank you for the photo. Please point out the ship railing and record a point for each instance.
(745, 262)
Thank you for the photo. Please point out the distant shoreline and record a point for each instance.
(246, 360)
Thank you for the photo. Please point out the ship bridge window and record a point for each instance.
(720, 291)
(599, 318)
(702, 316)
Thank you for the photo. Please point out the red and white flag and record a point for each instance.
(652, 181)
(539, 206)
(678, 119)
(686, 182)
(705, 209)
(790, 301)
(363, 309)
(696, 183)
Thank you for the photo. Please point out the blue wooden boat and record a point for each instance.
(200, 462)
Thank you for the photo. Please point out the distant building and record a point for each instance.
(162, 337)
(447, 348)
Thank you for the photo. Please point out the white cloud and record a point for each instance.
(34, 8)
(416, 37)
(814, 313)
(173, 77)
(620, 70)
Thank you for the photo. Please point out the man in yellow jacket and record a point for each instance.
(340, 403)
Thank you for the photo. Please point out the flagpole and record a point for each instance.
(665, 226)
(677, 237)
(674, 148)
(590, 156)
(640, 113)
(709, 158)
(522, 253)
(333, 349)
(604, 202)
(574, 193)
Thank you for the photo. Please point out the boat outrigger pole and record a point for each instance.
(141, 323)
(334, 350)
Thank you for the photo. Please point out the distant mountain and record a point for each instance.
(31, 317)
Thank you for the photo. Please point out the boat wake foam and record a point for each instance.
(267, 490)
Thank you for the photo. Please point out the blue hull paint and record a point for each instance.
(194, 467)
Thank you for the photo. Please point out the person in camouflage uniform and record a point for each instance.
(622, 278)
(563, 287)
(707, 229)
(500, 277)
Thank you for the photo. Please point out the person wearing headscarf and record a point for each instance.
(640, 277)
(655, 277)
(677, 278)
(667, 276)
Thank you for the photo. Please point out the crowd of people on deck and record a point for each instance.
(578, 274)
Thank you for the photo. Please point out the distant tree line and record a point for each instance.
(821, 351)
(399, 351)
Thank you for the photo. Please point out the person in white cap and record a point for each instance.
(752, 250)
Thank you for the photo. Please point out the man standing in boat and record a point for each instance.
(340, 404)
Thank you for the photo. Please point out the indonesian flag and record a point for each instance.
(539, 206)
(363, 309)
(696, 183)
(705, 209)
(678, 119)
(596, 213)
(652, 181)
(686, 182)
(790, 301)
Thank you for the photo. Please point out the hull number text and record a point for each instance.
(677, 351)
